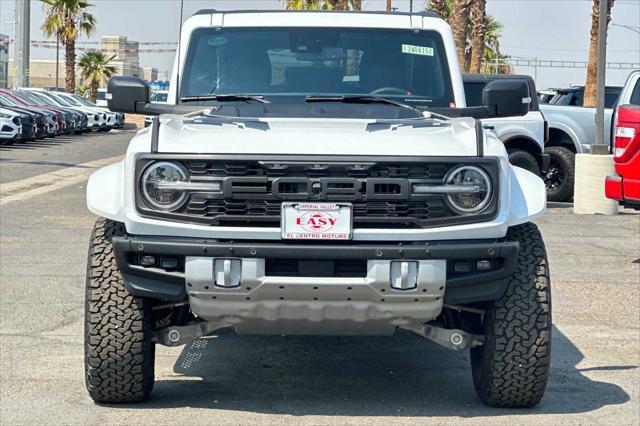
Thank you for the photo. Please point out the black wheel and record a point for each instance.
(119, 353)
(512, 367)
(560, 177)
(524, 160)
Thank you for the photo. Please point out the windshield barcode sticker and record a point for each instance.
(417, 50)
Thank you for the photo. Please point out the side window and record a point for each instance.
(577, 99)
(610, 100)
(635, 95)
(473, 93)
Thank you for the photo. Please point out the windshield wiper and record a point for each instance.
(360, 99)
(228, 97)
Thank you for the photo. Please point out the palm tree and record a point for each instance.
(491, 51)
(302, 4)
(323, 4)
(459, 22)
(95, 68)
(441, 7)
(592, 65)
(478, 11)
(68, 19)
(492, 54)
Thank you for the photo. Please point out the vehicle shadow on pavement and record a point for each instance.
(403, 375)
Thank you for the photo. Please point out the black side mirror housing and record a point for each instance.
(507, 97)
(129, 95)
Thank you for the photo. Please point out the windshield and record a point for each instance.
(101, 96)
(26, 99)
(402, 64)
(68, 100)
(58, 99)
(83, 101)
(7, 101)
(36, 99)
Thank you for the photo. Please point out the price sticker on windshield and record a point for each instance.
(417, 50)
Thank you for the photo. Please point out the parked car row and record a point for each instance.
(30, 114)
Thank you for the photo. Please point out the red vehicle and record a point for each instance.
(625, 185)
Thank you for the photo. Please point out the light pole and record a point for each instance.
(22, 43)
(57, 58)
(601, 148)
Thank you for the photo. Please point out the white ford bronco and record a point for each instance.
(318, 173)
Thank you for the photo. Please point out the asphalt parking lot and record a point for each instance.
(225, 379)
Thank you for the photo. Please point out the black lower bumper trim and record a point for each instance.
(461, 288)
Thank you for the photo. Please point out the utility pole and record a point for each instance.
(57, 58)
(601, 148)
(388, 5)
(589, 191)
(22, 43)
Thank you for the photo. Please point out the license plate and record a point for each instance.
(316, 221)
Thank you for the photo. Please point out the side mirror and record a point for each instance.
(129, 95)
(507, 97)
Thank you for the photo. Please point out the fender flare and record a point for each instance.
(105, 195)
(569, 131)
(523, 137)
(527, 197)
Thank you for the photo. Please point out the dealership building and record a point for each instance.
(42, 72)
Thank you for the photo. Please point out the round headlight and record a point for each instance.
(478, 183)
(156, 184)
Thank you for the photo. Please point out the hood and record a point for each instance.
(456, 137)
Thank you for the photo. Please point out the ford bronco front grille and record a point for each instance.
(253, 190)
(365, 214)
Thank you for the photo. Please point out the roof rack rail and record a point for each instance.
(425, 13)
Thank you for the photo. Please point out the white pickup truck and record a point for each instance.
(524, 137)
(318, 173)
(572, 130)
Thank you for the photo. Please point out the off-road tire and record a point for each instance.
(119, 353)
(563, 158)
(512, 367)
(524, 160)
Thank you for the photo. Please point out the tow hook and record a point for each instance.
(449, 338)
(180, 335)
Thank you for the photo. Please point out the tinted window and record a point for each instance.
(635, 95)
(610, 99)
(473, 93)
(564, 98)
(303, 61)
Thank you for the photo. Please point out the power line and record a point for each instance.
(544, 63)
(552, 49)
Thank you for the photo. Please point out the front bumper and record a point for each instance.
(318, 291)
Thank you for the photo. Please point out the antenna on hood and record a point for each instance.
(179, 50)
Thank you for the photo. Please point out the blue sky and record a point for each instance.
(546, 29)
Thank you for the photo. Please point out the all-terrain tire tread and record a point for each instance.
(119, 354)
(564, 193)
(525, 160)
(512, 368)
